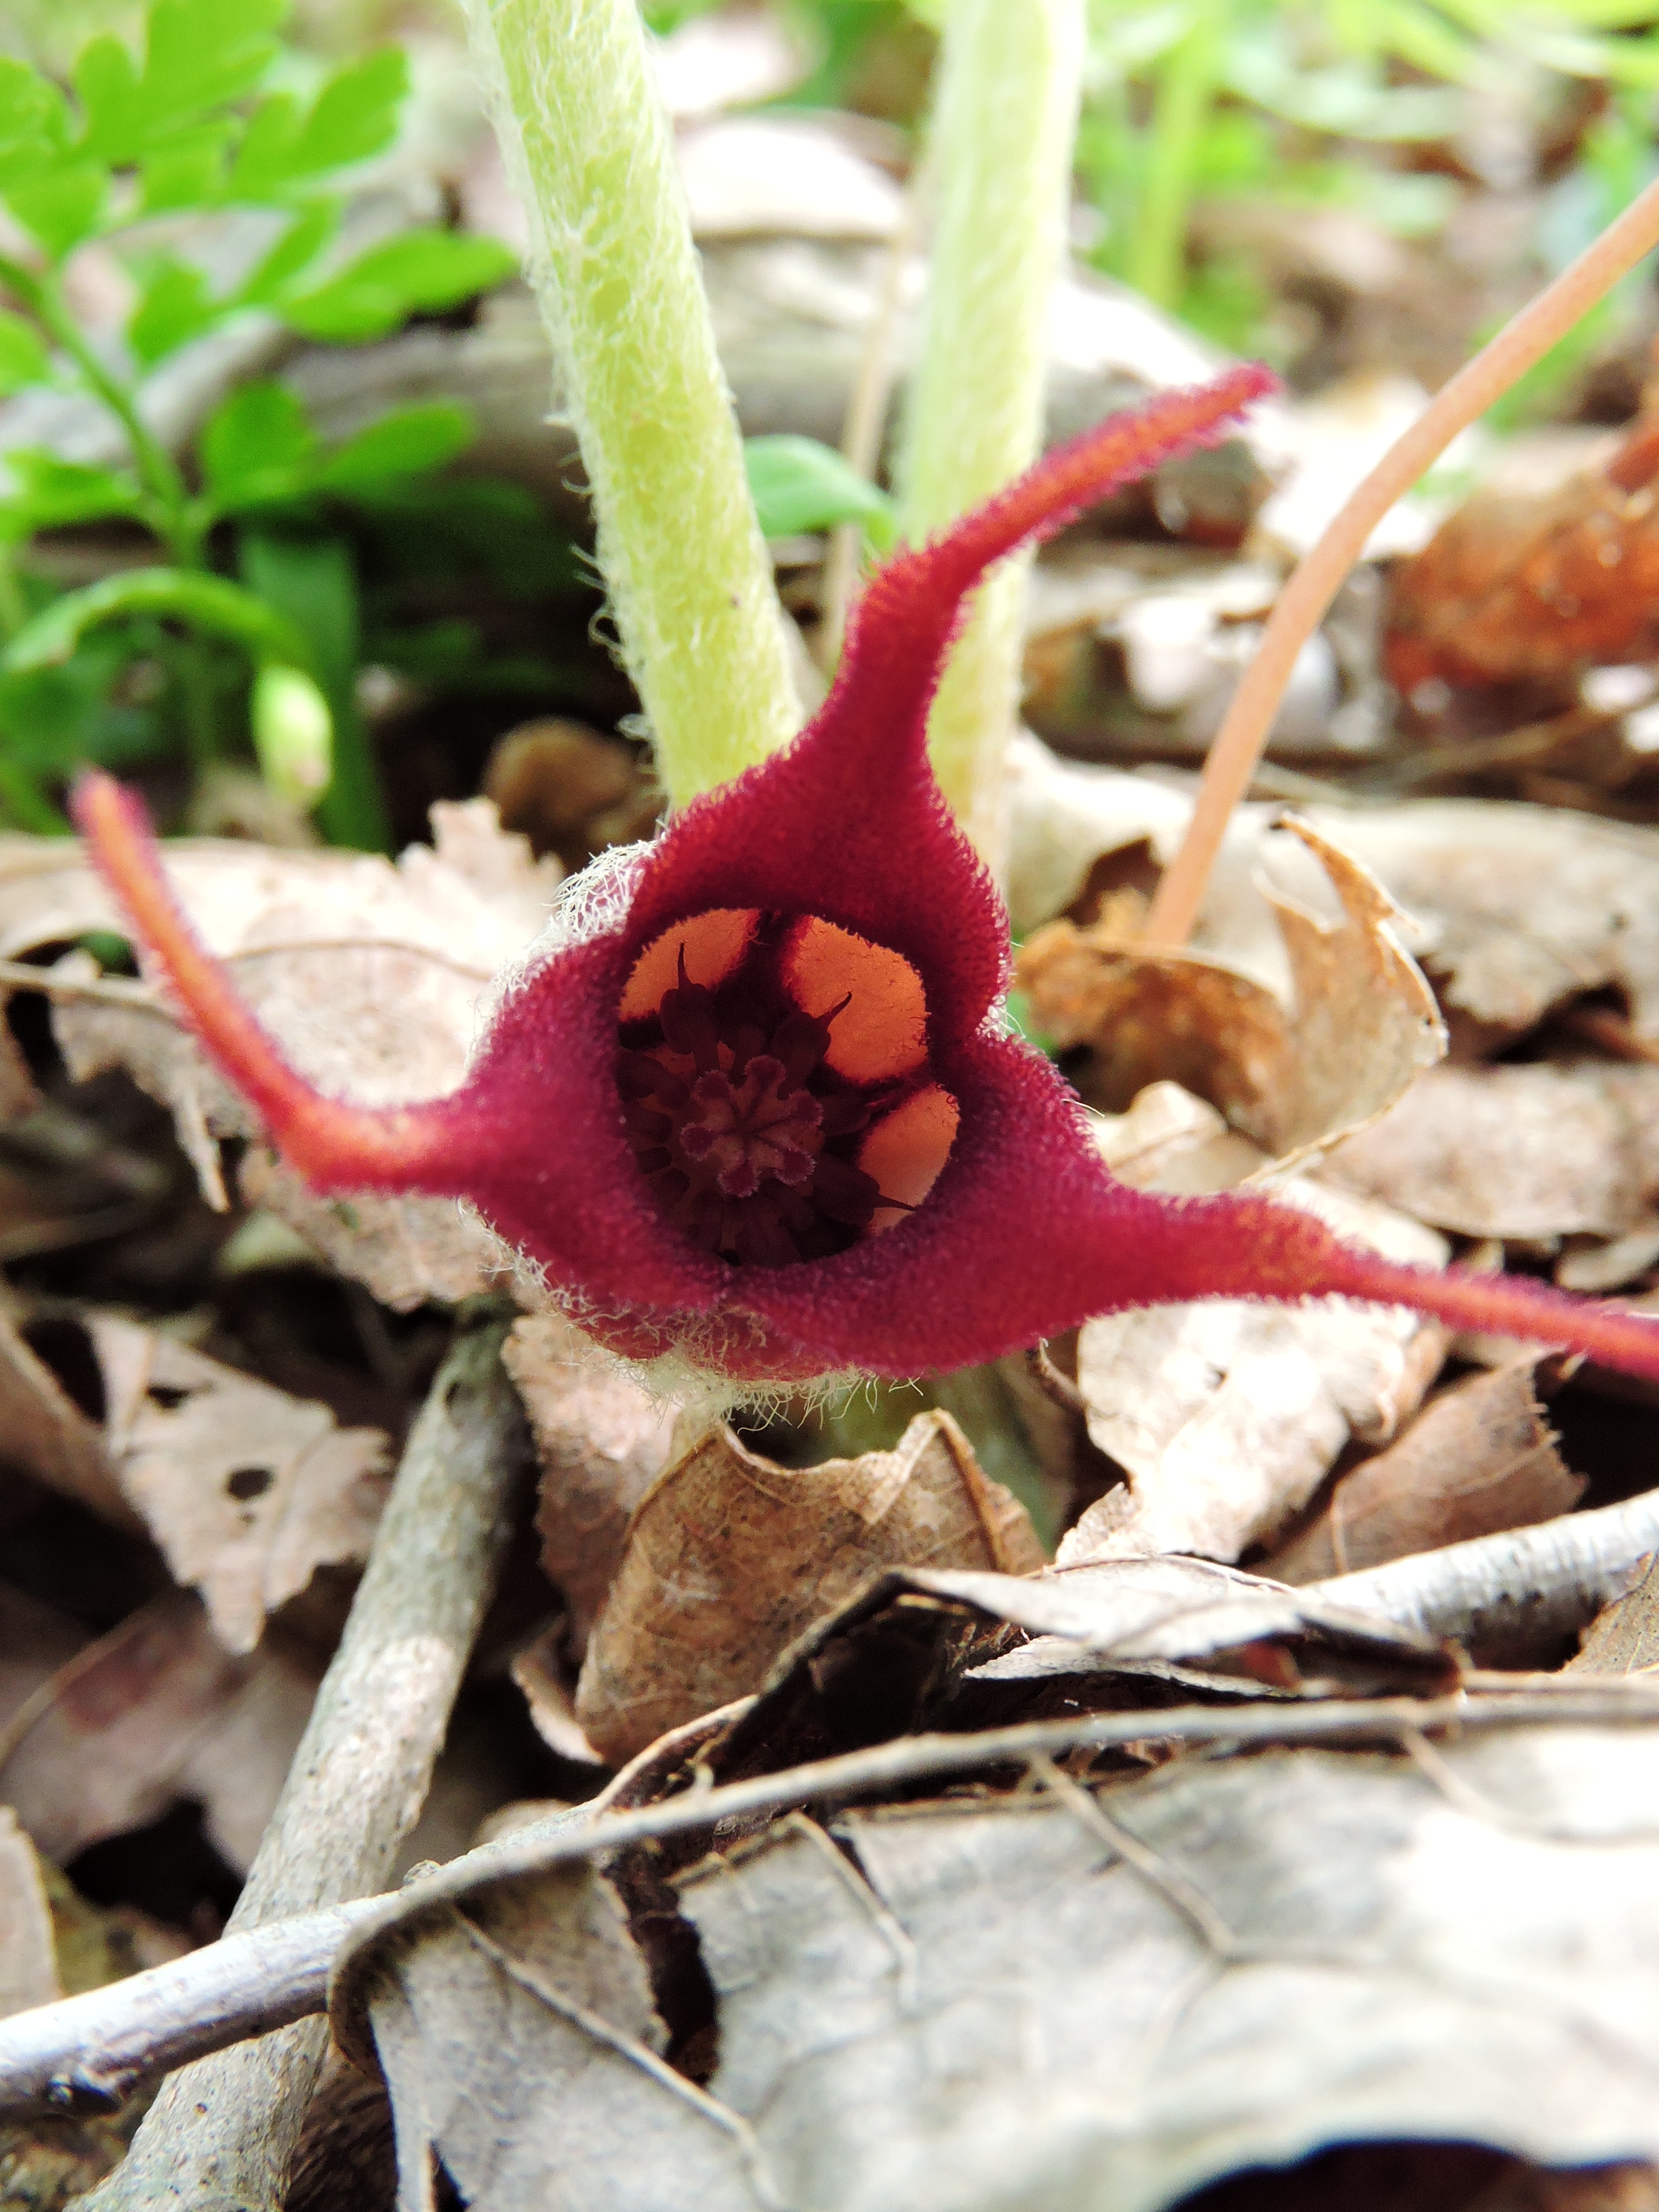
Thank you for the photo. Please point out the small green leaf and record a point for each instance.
(198, 55)
(174, 307)
(312, 578)
(33, 122)
(258, 446)
(50, 493)
(421, 271)
(800, 485)
(61, 207)
(353, 116)
(23, 358)
(202, 53)
(401, 444)
(188, 171)
(292, 255)
(107, 85)
(209, 604)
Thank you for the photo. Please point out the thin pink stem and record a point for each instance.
(1302, 604)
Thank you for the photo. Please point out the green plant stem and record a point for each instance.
(156, 467)
(1157, 260)
(1010, 81)
(586, 146)
(172, 513)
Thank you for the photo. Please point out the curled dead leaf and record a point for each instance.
(602, 1441)
(100, 1737)
(370, 975)
(1477, 1459)
(1364, 1022)
(1225, 1415)
(1531, 1151)
(730, 1557)
(29, 1964)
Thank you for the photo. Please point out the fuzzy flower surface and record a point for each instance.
(765, 1115)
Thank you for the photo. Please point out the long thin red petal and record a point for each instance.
(1026, 1234)
(336, 1145)
(847, 822)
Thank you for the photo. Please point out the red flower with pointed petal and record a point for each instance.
(764, 1113)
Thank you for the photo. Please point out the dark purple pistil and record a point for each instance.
(744, 1133)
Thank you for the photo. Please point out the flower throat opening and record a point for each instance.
(775, 1086)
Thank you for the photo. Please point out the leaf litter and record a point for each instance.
(1283, 1946)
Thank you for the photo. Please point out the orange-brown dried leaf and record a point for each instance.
(731, 1557)
(602, 1441)
(1513, 588)
(1364, 1024)
(1478, 1460)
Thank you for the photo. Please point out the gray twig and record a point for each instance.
(1520, 1593)
(223, 2130)
(233, 1988)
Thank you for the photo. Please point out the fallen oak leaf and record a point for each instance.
(1516, 908)
(730, 1557)
(1363, 1024)
(1530, 1151)
(602, 1442)
(156, 1712)
(789, 1209)
(1225, 1417)
(1513, 588)
(1479, 1458)
(371, 974)
(29, 1964)
(247, 1490)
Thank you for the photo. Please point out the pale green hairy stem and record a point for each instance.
(586, 147)
(1010, 78)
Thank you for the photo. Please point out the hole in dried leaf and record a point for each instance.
(66, 1348)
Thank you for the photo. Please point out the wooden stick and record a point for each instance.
(1317, 578)
(223, 2130)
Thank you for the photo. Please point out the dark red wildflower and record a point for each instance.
(765, 1112)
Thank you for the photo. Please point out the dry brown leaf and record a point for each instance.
(1534, 1151)
(602, 1442)
(1477, 1459)
(369, 975)
(1365, 1022)
(1625, 1639)
(247, 1489)
(543, 1673)
(1169, 1140)
(1517, 907)
(1514, 908)
(112, 1735)
(1512, 588)
(1226, 1415)
(730, 1557)
(45, 1434)
(29, 1964)
(404, 1250)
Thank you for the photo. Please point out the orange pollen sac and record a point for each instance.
(747, 1118)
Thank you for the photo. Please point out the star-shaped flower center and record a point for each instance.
(771, 1132)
